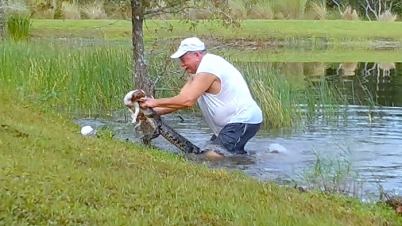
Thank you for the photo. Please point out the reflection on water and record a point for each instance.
(348, 68)
(370, 128)
(364, 83)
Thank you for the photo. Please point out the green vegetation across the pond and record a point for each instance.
(52, 174)
(335, 31)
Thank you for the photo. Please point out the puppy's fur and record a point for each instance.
(133, 106)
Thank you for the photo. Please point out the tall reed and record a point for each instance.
(70, 79)
(19, 27)
(274, 94)
(284, 102)
(323, 102)
(84, 80)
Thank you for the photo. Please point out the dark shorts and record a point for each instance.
(234, 136)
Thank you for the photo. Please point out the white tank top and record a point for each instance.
(234, 103)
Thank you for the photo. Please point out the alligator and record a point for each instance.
(152, 125)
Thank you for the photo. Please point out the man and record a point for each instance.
(221, 92)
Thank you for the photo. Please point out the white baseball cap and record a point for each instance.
(188, 44)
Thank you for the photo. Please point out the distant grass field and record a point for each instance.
(257, 30)
(255, 40)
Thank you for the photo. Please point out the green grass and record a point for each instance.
(69, 79)
(257, 30)
(53, 175)
(334, 174)
(18, 27)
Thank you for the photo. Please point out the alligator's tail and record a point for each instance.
(178, 140)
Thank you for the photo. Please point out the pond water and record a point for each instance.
(366, 136)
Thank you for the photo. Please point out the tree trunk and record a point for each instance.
(2, 20)
(140, 72)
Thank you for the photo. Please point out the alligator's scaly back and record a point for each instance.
(151, 117)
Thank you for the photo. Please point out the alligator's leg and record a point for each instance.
(156, 133)
(146, 140)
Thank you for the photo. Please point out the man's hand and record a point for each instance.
(147, 102)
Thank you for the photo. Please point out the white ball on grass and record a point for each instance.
(86, 130)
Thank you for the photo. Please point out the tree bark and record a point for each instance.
(2, 20)
(140, 72)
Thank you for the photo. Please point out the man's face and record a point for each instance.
(190, 62)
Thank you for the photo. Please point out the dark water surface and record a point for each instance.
(367, 133)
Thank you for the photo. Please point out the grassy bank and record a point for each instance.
(336, 31)
(53, 175)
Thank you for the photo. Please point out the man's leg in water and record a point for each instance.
(234, 136)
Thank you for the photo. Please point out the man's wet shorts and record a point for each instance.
(234, 136)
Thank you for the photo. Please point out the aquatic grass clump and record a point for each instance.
(275, 97)
(19, 27)
(285, 101)
(333, 174)
(323, 101)
(275, 111)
